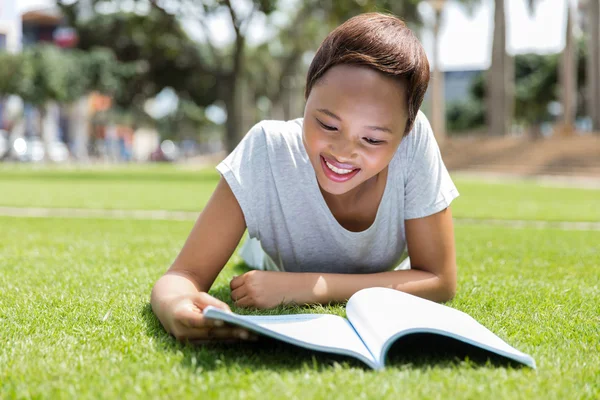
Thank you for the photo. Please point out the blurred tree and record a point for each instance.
(184, 123)
(500, 103)
(537, 86)
(568, 74)
(13, 71)
(276, 69)
(466, 115)
(45, 74)
(209, 73)
(155, 41)
(501, 86)
(205, 74)
(592, 11)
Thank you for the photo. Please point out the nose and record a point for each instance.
(343, 150)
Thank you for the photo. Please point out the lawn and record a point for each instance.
(171, 188)
(75, 319)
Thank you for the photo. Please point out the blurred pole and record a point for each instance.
(80, 110)
(568, 76)
(438, 106)
(498, 88)
(247, 107)
(79, 125)
(289, 97)
(49, 129)
(593, 67)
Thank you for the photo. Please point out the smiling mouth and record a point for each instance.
(336, 174)
(339, 171)
(341, 168)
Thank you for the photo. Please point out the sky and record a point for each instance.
(465, 38)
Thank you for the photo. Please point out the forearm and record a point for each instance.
(325, 288)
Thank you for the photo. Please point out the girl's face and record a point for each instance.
(354, 119)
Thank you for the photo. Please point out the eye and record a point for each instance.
(326, 127)
(373, 142)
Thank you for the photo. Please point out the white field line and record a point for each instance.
(98, 213)
(192, 215)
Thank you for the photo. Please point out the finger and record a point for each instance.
(245, 301)
(238, 293)
(236, 282)
(194, 319)
(203, 299)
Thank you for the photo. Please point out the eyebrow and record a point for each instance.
(372, 127)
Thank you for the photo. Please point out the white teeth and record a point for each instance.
(338, 170)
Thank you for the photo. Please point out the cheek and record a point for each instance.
(315, 139)
(378, 158)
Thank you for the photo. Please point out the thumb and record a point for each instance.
(203, 299)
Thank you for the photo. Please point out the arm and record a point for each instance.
(179, 296)
(430, 242)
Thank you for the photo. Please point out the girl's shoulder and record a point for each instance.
(273, 136)
(276, 140)
(280, 129)
(417, 148)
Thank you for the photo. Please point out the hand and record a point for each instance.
(187, 323)
(265, 289)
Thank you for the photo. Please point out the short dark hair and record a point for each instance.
(379, 41)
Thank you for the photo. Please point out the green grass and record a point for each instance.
(149, 188)
(525, 200)
(75, 321)
(170, 188)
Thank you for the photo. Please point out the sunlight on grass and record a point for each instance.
(75, 321)
(172, 188)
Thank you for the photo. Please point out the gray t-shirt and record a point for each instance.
(271, 176)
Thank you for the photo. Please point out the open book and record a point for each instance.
(377, 317)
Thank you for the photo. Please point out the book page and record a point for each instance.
(322, 332)
(381, 315)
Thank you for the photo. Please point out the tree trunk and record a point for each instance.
(499, 99)
(232, 99)
(568, 76)
(438, 106)
(246, 106)
(79, 128)
(593, 68)
(44, 129)
(232, 124)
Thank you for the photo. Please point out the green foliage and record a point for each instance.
(14, 73)
(203, 72)
(57, 75)
(339, 11)
(163, 52)
(465, 115)
(270, 65)
(536, 86)
(185, 122)
(47, 73)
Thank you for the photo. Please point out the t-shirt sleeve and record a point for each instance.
(245, 169)
(428, 187)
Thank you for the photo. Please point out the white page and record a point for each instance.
(323, 332)
(381, 315)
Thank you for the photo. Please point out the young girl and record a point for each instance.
(332, 200)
